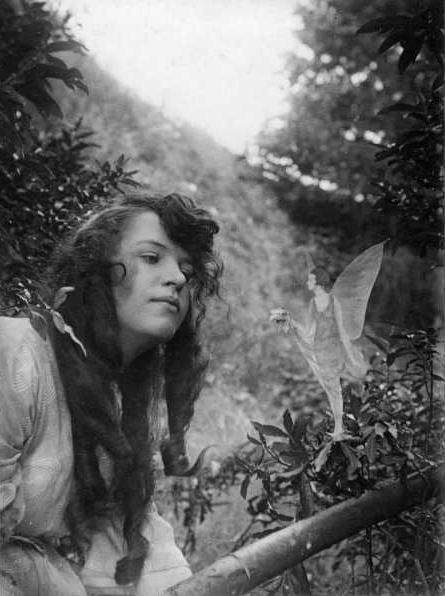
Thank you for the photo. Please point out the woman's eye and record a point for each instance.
(151, 258)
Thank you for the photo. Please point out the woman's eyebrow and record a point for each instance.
(150, 242)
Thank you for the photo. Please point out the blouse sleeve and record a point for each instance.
(18, 396)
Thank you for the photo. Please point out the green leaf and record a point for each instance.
(129, 182)
(285, 518)
(244, 486)
(438, 82)
(379, 25)
(61, 296)
(353, 461)
(288, 422)
(268, 429)
(392, 430)
(438, 378)
(391, 40)
(299, 428)
(282, 448)
(383, 24)
(401, 107)
(356, 405)
(291, 472)
(323, 456)
(385, 153)
(62, 327)
(36, 94)
(379, 429)
(390, 359)
(56, 61)
(65, 46)
(371, 448)
(253, 440)
(381, 343)
(409, 55)
(81, 85)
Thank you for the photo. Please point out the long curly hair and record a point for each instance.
(173, 370)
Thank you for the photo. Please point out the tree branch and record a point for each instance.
(250, 566)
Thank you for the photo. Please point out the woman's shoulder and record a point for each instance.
(27, 368)
(16, 332)
(22, 349)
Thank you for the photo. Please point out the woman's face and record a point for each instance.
(153, 298)
(311, 281)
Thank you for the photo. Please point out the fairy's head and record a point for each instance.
(318, 276)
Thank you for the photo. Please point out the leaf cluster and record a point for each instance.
(28, 41)
(394, 425)
(411, 192)
(47, 182)
(44, 193)
(412, 33)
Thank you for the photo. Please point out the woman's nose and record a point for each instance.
(174, 275)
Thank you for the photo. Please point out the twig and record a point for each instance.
(370, 565)
(240, 540)
(422, 577)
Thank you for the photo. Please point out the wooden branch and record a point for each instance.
(252, 565)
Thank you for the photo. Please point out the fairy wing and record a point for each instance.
(353, 287)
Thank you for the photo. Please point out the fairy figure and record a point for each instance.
(333, 320)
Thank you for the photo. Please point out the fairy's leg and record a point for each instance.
(333, 390)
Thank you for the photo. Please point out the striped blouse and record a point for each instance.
(36, 474)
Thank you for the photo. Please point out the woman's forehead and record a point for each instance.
(147, 229)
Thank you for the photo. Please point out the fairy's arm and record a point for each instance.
(305, 326)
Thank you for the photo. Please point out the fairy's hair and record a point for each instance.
(174, 370)
(322, 277)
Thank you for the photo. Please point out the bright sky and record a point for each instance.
(215, 63)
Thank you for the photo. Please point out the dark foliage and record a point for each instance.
(394, 425)
(411, 193)
(30, 36)
(340, 118)
(46, 182)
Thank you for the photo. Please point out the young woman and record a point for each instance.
(77, 410)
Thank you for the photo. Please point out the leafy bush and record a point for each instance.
(411, 193)
(395, 425)
(46, 183)
(334, 130)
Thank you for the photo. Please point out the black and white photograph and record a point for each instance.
(222, 360)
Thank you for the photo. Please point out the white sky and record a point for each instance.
(215, 63)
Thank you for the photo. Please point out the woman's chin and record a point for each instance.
(163, 334)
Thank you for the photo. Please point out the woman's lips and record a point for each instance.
(174, 302)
